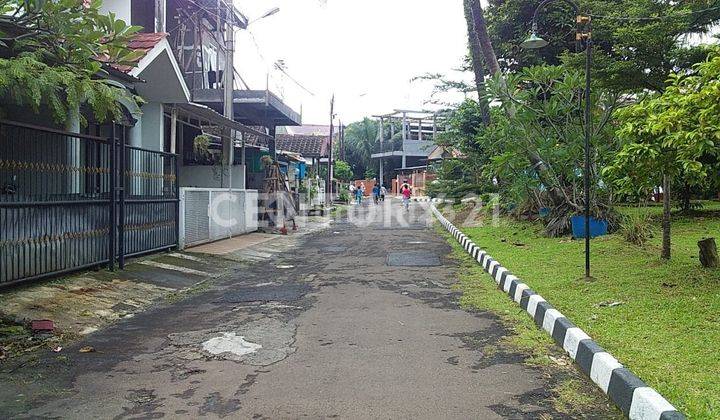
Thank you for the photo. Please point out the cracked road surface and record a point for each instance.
(353, 323)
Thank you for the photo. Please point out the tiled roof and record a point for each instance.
(144, 42)
(307, 146)
(441, 152)
(309, 130)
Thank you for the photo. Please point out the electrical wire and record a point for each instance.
(283, 71)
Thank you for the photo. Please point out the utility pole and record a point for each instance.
(228, 83)
(381, 135)
(328, 185)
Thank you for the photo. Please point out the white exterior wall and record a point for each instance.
(200, 176)
(121, 8)
(153, 126)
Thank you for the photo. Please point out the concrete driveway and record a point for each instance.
(357, 321)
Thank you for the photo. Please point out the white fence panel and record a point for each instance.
(211, 214)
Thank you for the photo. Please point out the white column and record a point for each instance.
(73, 155)
(404, 127)
(133, 182)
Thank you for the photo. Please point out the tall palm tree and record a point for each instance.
(476, 61)
(361, 142)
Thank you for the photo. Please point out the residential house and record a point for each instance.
(406, 157)
(313, 148)
(75, 197)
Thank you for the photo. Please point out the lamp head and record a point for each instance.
(270, 12)
(534, 42)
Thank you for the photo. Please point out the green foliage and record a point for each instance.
(540, 119)
(361, 142)
(676, 133)
(370, 173)
(458, 178)
(51, 54)
(342, 171)
(630, 54)
(201, 144)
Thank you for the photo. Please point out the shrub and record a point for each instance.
(636, 228)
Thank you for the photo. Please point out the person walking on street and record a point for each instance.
(406, 192)
(358, 195)
(376, 193)
(383, 192)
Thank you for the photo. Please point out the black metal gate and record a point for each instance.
(70, 201)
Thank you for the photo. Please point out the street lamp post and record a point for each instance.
(583, 33)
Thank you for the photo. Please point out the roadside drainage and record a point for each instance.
(625, 389)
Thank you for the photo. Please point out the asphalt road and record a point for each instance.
(358, 321)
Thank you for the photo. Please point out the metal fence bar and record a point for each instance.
(71, 201)
(121, 225)
(113, 206)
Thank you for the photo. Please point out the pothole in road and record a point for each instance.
(268, 293)
(333, 249)
(230, 343)
(413, 259)
(258, 343)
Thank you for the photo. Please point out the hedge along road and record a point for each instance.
(355, 322)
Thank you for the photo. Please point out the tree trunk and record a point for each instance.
(709, 253)
(666, 218)
(686, 193)
(491, 61)
(477, 62)
(484, 38)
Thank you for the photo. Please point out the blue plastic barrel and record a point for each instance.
(597, 227)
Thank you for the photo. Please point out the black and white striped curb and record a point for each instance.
(430, 200)
(627, 391)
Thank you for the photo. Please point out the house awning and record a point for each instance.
(203, 112)
(252, 107)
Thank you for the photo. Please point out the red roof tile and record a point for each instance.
(144, 42)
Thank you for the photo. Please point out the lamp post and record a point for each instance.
(583, 34)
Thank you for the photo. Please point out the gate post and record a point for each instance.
(113, 193)
(176, 167)
(121, 192)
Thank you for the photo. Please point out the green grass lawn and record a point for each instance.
(667, 327)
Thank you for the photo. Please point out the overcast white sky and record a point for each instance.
(366, 51)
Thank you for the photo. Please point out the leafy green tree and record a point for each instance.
(370, 173)
(342, 171)
(672, 138)
(636, 41)
(545, 125)
(361, 141)
(52, 54)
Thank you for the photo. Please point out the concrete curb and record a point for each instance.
(627, 391)
(429, 200)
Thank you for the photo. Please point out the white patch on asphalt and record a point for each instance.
(175, 268)
(285, 267)
(230, 343)
(278, 305)
(185, 257)
(270, 283)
